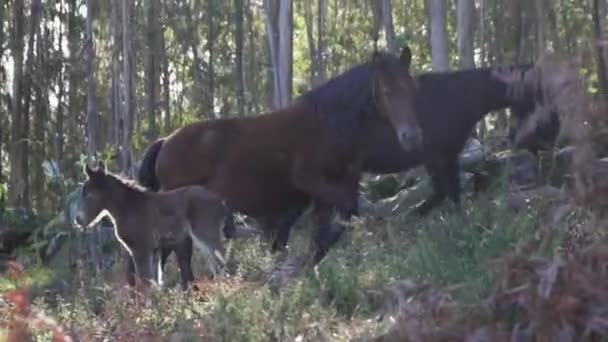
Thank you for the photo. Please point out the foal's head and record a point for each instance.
(100, 191)
(394, 90)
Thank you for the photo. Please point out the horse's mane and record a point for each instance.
(341, 101)
(128, 183)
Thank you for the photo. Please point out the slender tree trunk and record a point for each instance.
(166, 82)
(439, 35)
(129, 110)
(153, 35)
(389, 28)
(279, 27)
(321, 18)
(541, 34)
(312, 48)
(41, 118)
(117, 103)
(58, 134)
(465, 12)
(253, 104)
(92, 118)
(198, 63)
(599, 22)
(211, 13)
(238, 39)
(73, 133)
(3, 114)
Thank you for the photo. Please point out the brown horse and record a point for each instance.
(312, 150)
(143, 218)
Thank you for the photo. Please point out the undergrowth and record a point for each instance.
(338, 300)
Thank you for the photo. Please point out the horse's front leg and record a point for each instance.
(445, 181)
(143, 259)
(308, 176)
(325, 236)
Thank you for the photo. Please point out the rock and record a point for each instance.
(522, 168)
(519, 200)
(471, 154)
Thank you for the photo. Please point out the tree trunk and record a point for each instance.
(92, 118)
(312, 48)
(197, 62)
(541, 34)
(3, 114)
(238, 39)
(166, 82)
(465, 12)
(128, 96)
(153, 35)
(41, 115)
(117, 104)
(599, 17)
(212, 36)
(58, 135)
(279, 28)
(389, 29)
(439, 35)
(321, 17)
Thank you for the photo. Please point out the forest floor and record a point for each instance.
(395, 278)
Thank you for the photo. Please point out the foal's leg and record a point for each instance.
(183, 253)
(144, 264)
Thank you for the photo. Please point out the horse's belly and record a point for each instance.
(256, 194)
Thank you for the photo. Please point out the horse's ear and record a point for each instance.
(375, 57)
(88, 171)
(406, 57)
(101, 167)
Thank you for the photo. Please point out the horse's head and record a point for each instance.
(394, 92)
(535, 123)
(94, 198)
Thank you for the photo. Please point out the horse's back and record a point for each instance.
(247, 161)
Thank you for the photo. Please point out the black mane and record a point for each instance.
(343, 101)
(131, 185)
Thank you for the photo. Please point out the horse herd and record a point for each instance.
(373, 118)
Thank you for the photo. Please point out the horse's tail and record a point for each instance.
(147, 170)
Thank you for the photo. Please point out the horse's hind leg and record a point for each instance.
(183, 253)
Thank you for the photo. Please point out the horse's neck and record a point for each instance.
(120, 203)
(495, 96)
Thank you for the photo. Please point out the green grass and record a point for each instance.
(339, 299)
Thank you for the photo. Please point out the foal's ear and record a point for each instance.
(88, 171)
(406, 57)
(101, 167)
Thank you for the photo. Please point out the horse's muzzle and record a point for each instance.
(410, 138)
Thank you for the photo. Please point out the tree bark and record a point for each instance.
(3, 114)
(389, 28)
(465, 12)
(439, 35)
(166, 82)
(238, 39)
(279, 28)
(153, 35)
(312, 48)
(212, 36)
(599, 17)
(321, 18)
(129, 110)
(117, 104)
(92, 118)
(541, 34)
(58, 134)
